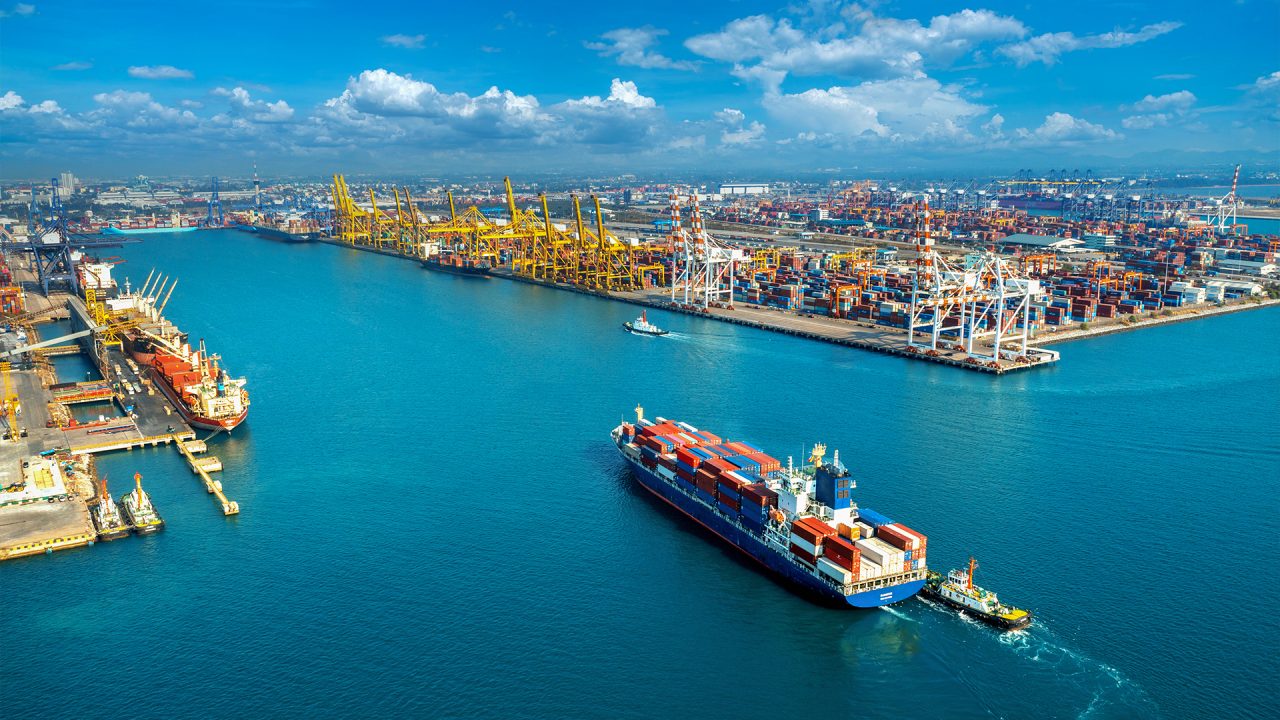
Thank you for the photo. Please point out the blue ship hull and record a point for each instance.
(111, 230)
(758, 549)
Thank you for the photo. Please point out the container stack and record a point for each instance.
(807, 537)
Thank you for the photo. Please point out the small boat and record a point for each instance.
(138, 510)
(642, 326)
(957, 590)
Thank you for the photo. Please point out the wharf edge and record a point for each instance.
(645, 302)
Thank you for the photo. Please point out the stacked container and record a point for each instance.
(807, 536)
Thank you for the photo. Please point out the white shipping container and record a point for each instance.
(804, 545)
(880, 552)
(867, 530)
(868, 570)
(834, 571)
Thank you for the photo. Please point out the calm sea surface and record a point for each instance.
(435, 525)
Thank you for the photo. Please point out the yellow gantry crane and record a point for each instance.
(530, 244)
(10, 402)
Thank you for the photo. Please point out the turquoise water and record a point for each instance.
(435, 525)
(1259, 226)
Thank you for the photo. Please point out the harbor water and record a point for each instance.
(434, 523)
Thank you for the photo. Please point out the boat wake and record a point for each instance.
(1111, 693)
(1102, 690)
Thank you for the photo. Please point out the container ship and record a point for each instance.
(451, 263)
(799, 522)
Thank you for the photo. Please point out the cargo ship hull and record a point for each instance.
(276, 234)
(992, 620)
(762, 552)
(463, 270)
(111, 230)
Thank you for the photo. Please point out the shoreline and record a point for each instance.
(1197, 314)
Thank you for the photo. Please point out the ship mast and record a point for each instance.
(973, 565)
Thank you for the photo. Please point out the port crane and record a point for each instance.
(54, 248)
(702, 268)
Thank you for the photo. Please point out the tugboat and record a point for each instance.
(106, 515)
(958, 591)
(139, 511)
(642, 326)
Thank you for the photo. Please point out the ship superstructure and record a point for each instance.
(798, 521)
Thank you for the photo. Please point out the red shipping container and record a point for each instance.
(901, 537)
(730, 502)
(712, 439)
(803, 554)
(841, 551)
(659, 429)
(760, 495)
(717, 466)
(813, 528)
(767, 464)
(685, 456)
(705, 481)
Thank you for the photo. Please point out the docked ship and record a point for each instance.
(113, 230)
(206, 396)
(456, 265)
(798, 522)
(290, 228)
(276, 233)
(139, 511)
(957, 590)
(107, 519)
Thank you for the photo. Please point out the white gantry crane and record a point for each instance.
(980, 307)
(702, 268)
(1225, 219)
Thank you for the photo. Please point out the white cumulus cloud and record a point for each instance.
(409, 42)
(1181, 100)
(245, 107)
(11, 101)
(900, 110)
(736, 131)
(860, 45)
(1047, 48)
(631, 46)
(1062, 128)
(159, 72)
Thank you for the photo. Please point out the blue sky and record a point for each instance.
(748, 87)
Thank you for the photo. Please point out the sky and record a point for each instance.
(748, 88)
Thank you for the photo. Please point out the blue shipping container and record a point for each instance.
(873, 518)
(705, 497)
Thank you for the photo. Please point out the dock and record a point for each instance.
(214, 487)
(854, 334)
(56, 515)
